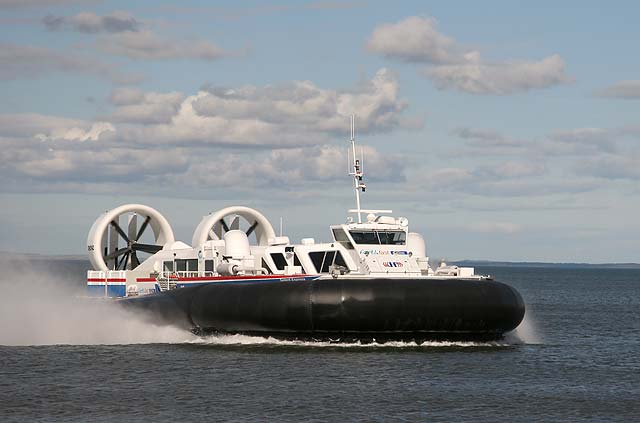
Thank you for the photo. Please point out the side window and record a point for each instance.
(322, 260)
(181, 265)
(167, 266)
(279, 260)
(208, 265)
(339, 260)
(317, 257)
(192, 265)
(328, 261)
(296, 262)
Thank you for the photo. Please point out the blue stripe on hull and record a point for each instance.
(112, 290)
(95, 290)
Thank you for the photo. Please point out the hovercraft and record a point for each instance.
(373, 281)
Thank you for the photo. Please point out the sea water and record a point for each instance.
(575, 358)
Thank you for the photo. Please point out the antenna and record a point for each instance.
(357, 172)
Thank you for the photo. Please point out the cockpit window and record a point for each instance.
(379, 237)
(392, 237)
(341, 236)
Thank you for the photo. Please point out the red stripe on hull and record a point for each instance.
(227, 278)
(106, 280)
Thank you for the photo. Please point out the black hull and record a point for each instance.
(344, 309)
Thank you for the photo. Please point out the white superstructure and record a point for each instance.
(133, 250)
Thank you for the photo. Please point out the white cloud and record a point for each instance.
(500, 78)
(135, 106)
(121, 34)
(270, 137)
(75, 133)
(414, 39)
(303, 104)
(147, 45)
(565, 161)
(104, 165)
(294, 114)
(489, 140)
(18, 61)
(29, 124)
(511, 170)
(126, 95)
(611, 166)
(477, 182)
(10, 4)
(295, 167)
(561, 143)
(33, 126)
(453, 66)
(91, 23)
(582, 141)
(623, 89)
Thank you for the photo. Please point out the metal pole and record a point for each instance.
(175, 271)
(355, 168)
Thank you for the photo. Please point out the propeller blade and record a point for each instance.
(112, 244)
(115, 254)
(143, 227)
(120, 231)
(132, 226)
(235, 223)
(118, 263)
(212, 235)
(126, 261)
(252, 228)
(147, 248)
(224, 225)
(134, 260)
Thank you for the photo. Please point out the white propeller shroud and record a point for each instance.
(106, 236)
(213, 226)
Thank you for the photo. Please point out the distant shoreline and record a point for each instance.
(478, 263)
(472, 263)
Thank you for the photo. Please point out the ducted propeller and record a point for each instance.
(112, 248)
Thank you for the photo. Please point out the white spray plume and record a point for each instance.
(527, 332)
(42, 308)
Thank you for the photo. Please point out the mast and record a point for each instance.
(358, 172)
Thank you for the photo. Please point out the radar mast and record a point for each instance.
(356, 170)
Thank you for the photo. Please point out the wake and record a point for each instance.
(246, 340)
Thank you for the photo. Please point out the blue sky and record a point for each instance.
(503, 130)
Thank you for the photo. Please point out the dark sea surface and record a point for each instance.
(575, 358)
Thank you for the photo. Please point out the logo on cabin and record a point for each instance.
(392, 264)
(385, 252)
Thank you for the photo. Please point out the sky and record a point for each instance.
(502, 130)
